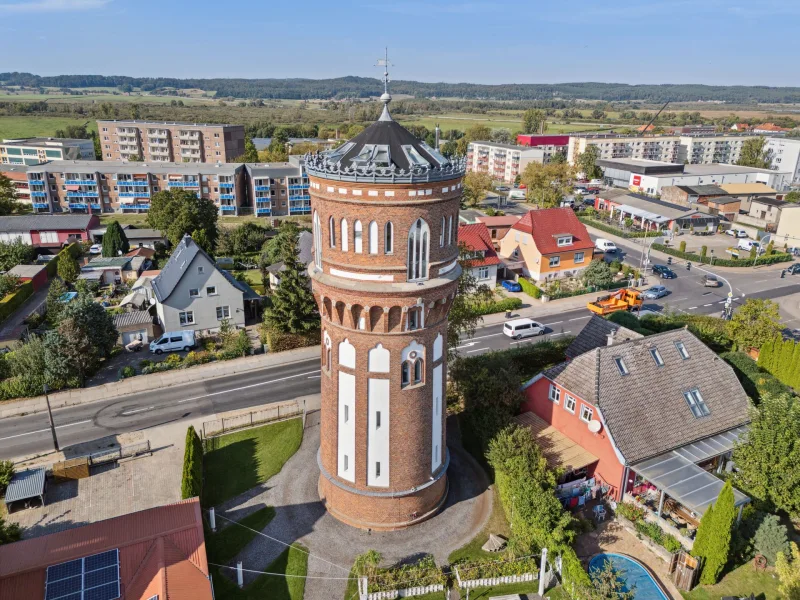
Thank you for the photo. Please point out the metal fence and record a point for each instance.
(115, 454)
(273, 412)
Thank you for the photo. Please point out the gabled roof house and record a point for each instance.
(657, 412)
(483, 260)
(191, 292)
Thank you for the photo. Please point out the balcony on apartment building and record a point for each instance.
(261, 185)
(162, 133)
(75, 191)
(79, 179)
(183, 182)
(188, 135)
(137, 206)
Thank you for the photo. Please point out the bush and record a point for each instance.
(489, 568)
(6, 474)
(143, 364)
(754, 380)
(503, 305)
(13, 301)
(682, 246)
(770, 538)
(278, 341)
(126, 372)
(192, 478)
(724, 262)
(611, 229)
(197, 357)
(630, 511)
(530, 288)
(174, 361)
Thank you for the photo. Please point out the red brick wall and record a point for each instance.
(608, 467)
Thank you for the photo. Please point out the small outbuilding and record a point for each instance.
(26, 486)
(37, 274)
(137, 325)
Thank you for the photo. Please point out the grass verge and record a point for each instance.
(740, 582)
(257, 454)
(225, 544)
(496, 524)
(292, 561)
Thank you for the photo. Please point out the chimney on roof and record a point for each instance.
(611, 338)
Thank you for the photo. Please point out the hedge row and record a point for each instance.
(724, 262)
(192, 478)
(615, 230)
(278, 341)
(74, 251)
(497, 307)
(14, 300)
(782, 358)
(529, 288)
(753, 378)
(588, 290)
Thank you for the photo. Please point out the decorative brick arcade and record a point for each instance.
(385, 209)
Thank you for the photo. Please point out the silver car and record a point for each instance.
(655, 292)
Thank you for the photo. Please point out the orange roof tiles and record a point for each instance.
(476, 238)
(546, 225)
(769, 127)
(161, 551)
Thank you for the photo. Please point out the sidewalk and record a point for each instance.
(155, 381)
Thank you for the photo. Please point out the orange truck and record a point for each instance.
(623, 299)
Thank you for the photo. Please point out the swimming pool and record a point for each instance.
(634, 573)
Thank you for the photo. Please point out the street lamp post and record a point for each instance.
(761, 242)
(50, 416)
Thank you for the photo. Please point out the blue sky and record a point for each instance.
(749, 42)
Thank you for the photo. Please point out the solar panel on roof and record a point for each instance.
(94, 577)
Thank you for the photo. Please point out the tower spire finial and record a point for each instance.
(386, 97)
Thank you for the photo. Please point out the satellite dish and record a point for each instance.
(595, 426)
(152, 301)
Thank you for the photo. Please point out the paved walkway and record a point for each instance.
(333, 546)
(15, 321)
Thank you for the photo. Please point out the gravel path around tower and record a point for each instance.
(300, 517)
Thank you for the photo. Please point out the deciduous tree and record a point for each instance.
(587, 162)
(15, 253)
(598, 274)
(463, 319)
(8, 197)
(788, 569)
(755, 153)
(609, 584)
(547, 183)
(178, 212)
(115, 242)
(534, 120)
(475, 187)
(88, 334)
(755, 323)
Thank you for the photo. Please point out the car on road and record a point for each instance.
(521, 328)
(655, 292)
(511, 286)
(664, 272)
(710, 281)
(737, 233)
(95, 249)
(604, 245)
(794, 269)
(502, 188)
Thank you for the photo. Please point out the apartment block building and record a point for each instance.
(170, 142)
(278, 189)
(88, 187)
(503, 162)
(708, 149)
(661, 148)
(34, 151)
(786, 156)
(18, 174)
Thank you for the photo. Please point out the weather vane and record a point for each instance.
(384, 62)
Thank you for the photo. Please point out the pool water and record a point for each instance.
(635, 575)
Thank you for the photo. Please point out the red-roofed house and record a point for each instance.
(498, 226)
(769, 128)
(552, 243)
(154, 553)
(740, 127)
(483, 262)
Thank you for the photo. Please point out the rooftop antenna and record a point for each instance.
(385, 97)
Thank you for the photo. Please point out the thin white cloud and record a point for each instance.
(427, 9)
(47, 6)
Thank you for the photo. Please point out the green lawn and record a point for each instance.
(32, 126)
(496, 524)
(292, 561)
(225, 544)
(741, 582)
(124, 219)
(238, 461)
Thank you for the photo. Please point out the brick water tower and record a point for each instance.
(385, 209)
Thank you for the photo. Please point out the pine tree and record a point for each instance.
(701, 539)
(293, 309)
(115, 241)
(765, 356)
(784, 370)
(716, 543)
(795, 370)
(67, 267)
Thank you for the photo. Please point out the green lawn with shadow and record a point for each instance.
(740, 582)
(292, 561)
(226, 543)
(235, 462)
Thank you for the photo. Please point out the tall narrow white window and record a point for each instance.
(449, 230)
(345, 241)
(441, 234)
(373, 238)
(332, 232)
(357, 234)
(388, 235)
(418, 246)
(317, 241)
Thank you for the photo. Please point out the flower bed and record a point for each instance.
(423, 573)
(636, 517)
(494, 572)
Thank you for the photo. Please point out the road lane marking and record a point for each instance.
(247, 387)
(562, 333)
(477, 350)
(692, 307)
(483, 337)
(11, 437)
(709, 304)
(136, 410)
(554, 323)
(314, 377)
(579, 318)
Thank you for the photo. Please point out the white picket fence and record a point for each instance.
(467, 584)
(363, 594)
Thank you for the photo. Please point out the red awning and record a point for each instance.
(73, 188)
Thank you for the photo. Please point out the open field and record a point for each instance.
(102, 97)
(33, 126)
(464, 121)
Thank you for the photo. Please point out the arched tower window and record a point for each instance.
(441, 234)
(357, 234)
(373, 238)
(418, 246)
(345, 234)
(388, 238)
(332, 231)
(405, 377)
(317, 241)
(418, 368)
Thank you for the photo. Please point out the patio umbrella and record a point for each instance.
(495, 543)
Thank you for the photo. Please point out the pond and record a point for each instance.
(635, 575)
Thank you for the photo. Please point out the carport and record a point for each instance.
(25, 486)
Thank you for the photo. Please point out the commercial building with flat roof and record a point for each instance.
(170, 142)
(33, 151)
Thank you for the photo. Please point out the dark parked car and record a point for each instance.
(664, 272)
(511, 286)
(794, 269)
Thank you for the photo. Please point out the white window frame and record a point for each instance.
(621, 366)
(586, 413)
(682, 350)
(223, 312)
(557, 262)
(565, 240)
(186, 317)
(582, 258)
(569, 403)
(657, 358)
(483, 272)
(358, 235)
(196, 293)
(554, 394)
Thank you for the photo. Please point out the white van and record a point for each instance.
(520, 328)
(604, 245)
(173, 340)
(747, 245)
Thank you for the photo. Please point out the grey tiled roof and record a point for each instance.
(595, 334)
(50, 222)
(171, 273)
(645, 411)
(139, 317)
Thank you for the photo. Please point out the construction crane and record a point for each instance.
(646, 127)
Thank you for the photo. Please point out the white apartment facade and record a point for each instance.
(663, 148)
(503, 162)
(35, 151)
(786, 156)
(708, 149)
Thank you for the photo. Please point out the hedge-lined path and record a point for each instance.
(39, 297)
(300, 517)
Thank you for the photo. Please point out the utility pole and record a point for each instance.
(50, 416)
